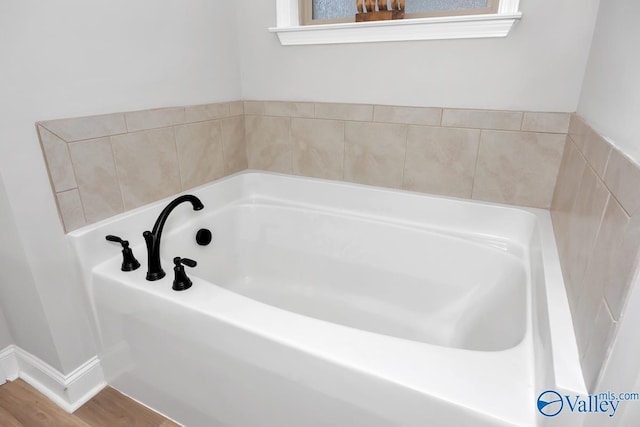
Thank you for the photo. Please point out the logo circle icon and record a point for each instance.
(550, 403)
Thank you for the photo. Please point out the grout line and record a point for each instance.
(41, 124)
(62, 217)
(126, 122)
(175, 147)
(219, 126)
(612, 194)
(344, 148)
(75, 177)
(606, 164)
(475, 165)
(592, 249)
(406, 149)
(522, 122)
(246, 139)
(117, 169)
(579, 186)
(213, 119)
(73, 169)
(224, 156)
(290, 147)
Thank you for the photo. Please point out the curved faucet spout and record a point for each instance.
(153, 238)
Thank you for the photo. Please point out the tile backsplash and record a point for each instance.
(499, 156)
(104, 165)
(596, 219)
(100, 166)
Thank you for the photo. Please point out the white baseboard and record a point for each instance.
(67, 391)
(9, 364)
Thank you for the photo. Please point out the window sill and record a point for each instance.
(440, 28)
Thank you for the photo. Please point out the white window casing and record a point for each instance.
(291, 32)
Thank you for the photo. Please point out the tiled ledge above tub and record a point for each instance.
(501, 156)
(100, 166)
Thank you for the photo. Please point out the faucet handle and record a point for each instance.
(116, 239)
(181, 282)
(185, 261)
(129, 262)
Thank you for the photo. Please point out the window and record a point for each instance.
(335, 11)
(467, 19)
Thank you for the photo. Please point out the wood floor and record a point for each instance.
(22, 406)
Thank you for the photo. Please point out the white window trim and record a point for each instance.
(290, 32)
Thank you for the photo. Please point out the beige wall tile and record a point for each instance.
(578, 129)
(56, 154)
(268, 143)
(201, 113)
(147, 166)
(441, 160)
(199, 153)
(71, 210)
(236, 108)
(318, 148)
(254, 108)
(90, 127)
(289, 109)
(546, 122)
(518, 167)
(375, 153)
(603, 270)
(584, 222)
(152, 119)
(233, 145)
(566, 191)
(97, 178)
(624, 267)
(596, 150)
(622, 176)
(482, 119)
(407, 115)
(354, 112)
(601, 335)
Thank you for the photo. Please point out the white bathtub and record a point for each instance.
(322, 303)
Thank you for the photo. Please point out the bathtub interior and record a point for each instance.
(390, 277)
